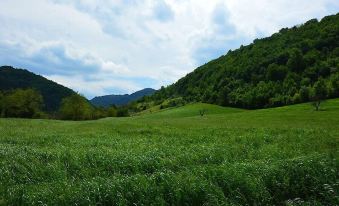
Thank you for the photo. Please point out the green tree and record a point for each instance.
(76, 107)
(2, 97)
(289, 85)
(276, 72)
(334, 80)
(26, 103)
(319, 93)
(304, 93)
(296, 62)
(122, 112)
(112, 111)
(311, 57)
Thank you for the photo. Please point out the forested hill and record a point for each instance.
(119, 100)
(278, 70)
(51, 92)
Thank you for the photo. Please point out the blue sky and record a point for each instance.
(99, 47)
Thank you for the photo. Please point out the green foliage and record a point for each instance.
(175, 102)
(304, 94)
(269, 72)
(112, 111)
(25, 103)
(76, 107)
(334, 89)
(319, 93)
(280, 156)
(52, 93)
(28, 103)
(296, 61)
(122, 112)
(276, 72)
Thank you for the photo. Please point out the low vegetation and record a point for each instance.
(281, 156)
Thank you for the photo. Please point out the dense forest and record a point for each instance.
(295, 65)
(29, 103)
(52, 93)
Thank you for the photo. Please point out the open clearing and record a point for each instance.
(286, 155)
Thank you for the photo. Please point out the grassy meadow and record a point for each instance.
(279, 156)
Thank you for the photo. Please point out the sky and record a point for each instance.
(99, 47)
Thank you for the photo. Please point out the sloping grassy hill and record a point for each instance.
(279, 156)
(192, 110)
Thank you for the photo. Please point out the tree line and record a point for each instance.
(29, 103)
(52, 92)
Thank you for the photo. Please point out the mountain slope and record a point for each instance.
(119, 100)
(52, 92)
(274, 71)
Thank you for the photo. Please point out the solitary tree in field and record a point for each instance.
(202, 112)
(319, 93)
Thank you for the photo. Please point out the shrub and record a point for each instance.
(25, 103)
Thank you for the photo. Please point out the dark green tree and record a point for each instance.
(335, 85)
(122, 112)
(296, 61)
(76, 107)
(276, 72)
(112, 111)
(319, 93)
(304, 93)
(25, 103)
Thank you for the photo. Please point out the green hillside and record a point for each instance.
(281, 156)
(52, 93)
(283, 69)
(191, 110)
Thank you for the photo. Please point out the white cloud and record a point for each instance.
(99, 85)
(105, 46)
(266, 16)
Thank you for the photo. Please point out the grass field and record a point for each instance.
(280, 156)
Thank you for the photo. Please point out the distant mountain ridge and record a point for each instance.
(119, 100)
(52, 92)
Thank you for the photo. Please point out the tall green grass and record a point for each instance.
(280, 156)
